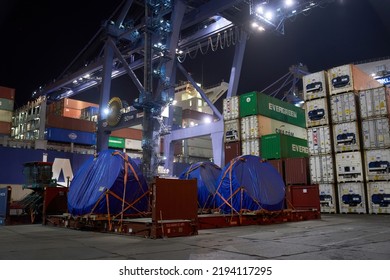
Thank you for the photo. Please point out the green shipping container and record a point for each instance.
(116, 142)
(256, 103)
(6, 104)
(277, 146)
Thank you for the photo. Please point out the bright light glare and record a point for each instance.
(261, 28)
(269, 15)
(260, 10)
(254, 24)
(106, 111)
(207, 120)
(174, 102)
(289, 3)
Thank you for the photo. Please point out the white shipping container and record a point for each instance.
(319, 141)
(317, 112)
(251, 147)
(352, 198)
(321, 169)
(5, 116)
(232, 131)
(200, 152)
(249, 128)
(199, 142)
(133, 144)
(349, 167)
(315, 85)
(379, 197)
(231, 108)
(346, 137)
(343, 107)
(377, 165)
(376, 133)
(374, 103)
(349, 78)
(327, 198)
(271, 126)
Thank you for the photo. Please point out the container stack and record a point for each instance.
(7, 96)
(374, 108)
(319, 136)
(232, 128)
(344, 83)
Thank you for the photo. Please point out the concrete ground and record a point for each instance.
(334, 237)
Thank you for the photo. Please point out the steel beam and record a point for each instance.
(237, 64)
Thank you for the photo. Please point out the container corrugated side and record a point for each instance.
(132, 144)
(349, 77)
(278, 165)
(251, 147)
(315, 85)
(343, 107)
(232, 130)
(130, 133)
(349, 167)
(317, 113)
(376, 133)
(232, 150)
(328, 198)
(321, 169)
(352, 198)
(200, 152)
(374, 103)
(70, 136)
(6, 104)
(249, 128)
(279, 110)
(5, 128)
(5, 116)
(248, 104)
(270, 126)
(377, 163)
(303, 197)
(379, 197)
(346, 137)
(116, 142)
(199, 142)
(7, 93)
(56, 121)
(275, 146)
(319, 140)
(231, 108)
(296, 171)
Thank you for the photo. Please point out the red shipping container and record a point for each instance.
(7, 93)
(303, 197)
(278, 164)
(75, 104)
(129, 133)
(70, 123)
(5, 128)
(296, 171)
(70, 113)
(232, 150)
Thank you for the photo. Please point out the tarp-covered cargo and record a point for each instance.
(111, 184)
(248, 183)
(207, 175)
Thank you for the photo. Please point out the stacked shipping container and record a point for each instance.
(7, 96)
(319, 136)
(374, 107)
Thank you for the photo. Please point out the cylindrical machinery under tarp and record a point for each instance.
(207, 174)
(110, 183)
(248, 183)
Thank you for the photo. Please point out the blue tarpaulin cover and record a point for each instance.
(111, 172)
(207, 174)
(248, 183)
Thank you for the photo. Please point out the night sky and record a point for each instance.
(41, 38)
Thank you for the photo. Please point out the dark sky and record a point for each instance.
(40, 39)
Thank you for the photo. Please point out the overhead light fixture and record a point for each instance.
(269, 15)
(289, 3)
(260, 10)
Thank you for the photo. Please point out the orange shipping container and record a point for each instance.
(5, 128)
(129, 133)
(75, 104)
(70, 123)
(70, 113)
(7, 93)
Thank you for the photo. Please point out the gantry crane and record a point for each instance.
(153, 35)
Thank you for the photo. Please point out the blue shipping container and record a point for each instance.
(70, 136)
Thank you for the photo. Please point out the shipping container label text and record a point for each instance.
(282, 110)
(298, 148)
